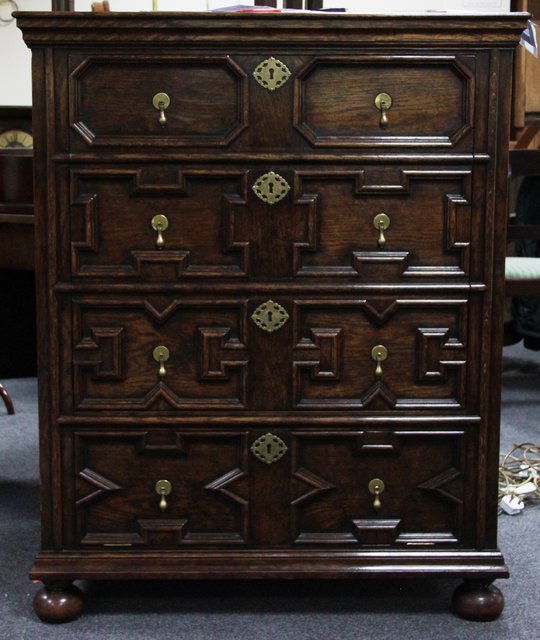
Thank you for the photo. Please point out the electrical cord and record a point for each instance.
(519, 478)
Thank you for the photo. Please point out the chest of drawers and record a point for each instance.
(270, 269)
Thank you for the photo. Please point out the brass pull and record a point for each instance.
(161, 101)
(383, 102)
(163, 488)
(376, 487)
(161, 355)
(381, 222)
(159, 224)
(379, 353)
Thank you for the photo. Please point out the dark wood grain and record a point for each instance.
(426, 423)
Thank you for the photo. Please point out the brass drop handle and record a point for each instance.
(383, 102)
(163, 489)
(379, 353)
(159, 224)
(381, 222)
(161, 101)
(376, 487)
(161, 355)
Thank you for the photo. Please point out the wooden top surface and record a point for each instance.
(258, 28)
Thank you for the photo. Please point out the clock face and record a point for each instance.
(16, 139)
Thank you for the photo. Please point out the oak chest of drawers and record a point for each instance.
(270, 272)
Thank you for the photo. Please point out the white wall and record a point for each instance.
(15, 66)
(15, 57)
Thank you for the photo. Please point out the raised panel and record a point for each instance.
(208, 100)
(208, 359)
(423, 502)
(218, 228)
(111, 498)
(426, 341)
(428, 236)
(111, 213)
(432, 101)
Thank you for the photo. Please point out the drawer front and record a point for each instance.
(113, 498)
(162, 354)
(381, 488)
(381, 354)
(367, 224)
(159, 354)
(115, 101)
(249, 102)
(386, 100)
(184, 487)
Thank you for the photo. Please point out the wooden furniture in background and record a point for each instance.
(526, 88)
(17, 286)
(16, 209)
(522, 274)
(16, 192)
(270, 291)
(63, 5)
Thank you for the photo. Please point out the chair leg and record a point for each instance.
(7, 400)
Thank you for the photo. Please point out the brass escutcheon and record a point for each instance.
(271, 187)
(271, 74)
(381, 222)
(376, 487)
(379, 353)
(163, 488)
(383, 102)
(269, 448)
(159, 224)
(270, 316)
(161, 101)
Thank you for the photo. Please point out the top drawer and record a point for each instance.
(259, 103)
(158, 101)
(385, 101)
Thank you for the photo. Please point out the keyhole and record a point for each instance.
(271, 187)
(269, 448)
(269, 316)
(271, 73)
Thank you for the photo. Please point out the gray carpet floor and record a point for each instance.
(367, 610)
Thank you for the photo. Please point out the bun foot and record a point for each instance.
(59, 602)
(479, 601)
